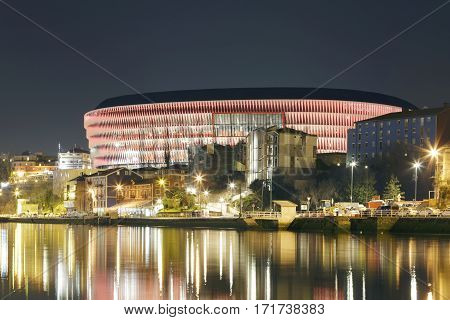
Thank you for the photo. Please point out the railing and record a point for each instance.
(262, 214)
(376, 213)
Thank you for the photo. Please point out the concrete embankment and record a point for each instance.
(321, 224)
(410, 225)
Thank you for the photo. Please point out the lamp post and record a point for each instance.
(434, 153)
(416, 166)
(352, 166)
(366, 167)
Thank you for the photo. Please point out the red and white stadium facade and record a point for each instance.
(137, 134)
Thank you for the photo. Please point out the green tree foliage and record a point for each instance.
(250, 202)
(5, 170)
(179, 199)
(393, 189)
(444, 197)
(42, 194)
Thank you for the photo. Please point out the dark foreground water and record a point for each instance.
(87, 262)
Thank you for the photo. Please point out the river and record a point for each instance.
(91, 262)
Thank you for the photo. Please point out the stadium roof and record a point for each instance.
(408, 114)
(256, 94)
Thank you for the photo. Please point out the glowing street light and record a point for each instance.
(162, 182)
(119, 187)
(232, 185)
(352, 165)
(198, 178)
(206, 193)
(17, 193)
(434, 153)
(416, 166)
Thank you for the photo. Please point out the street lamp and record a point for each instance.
(17, 193)
(162, 182)
(434, 153)
(416, 166)
(198, 178)
(352, 166)
(232, 185)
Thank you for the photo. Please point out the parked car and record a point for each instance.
(428, 211)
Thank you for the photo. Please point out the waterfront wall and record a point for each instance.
(323, 224)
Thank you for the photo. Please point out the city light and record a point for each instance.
(417, 165)
(162, 182)
(119, 187)
(353, 164)
(198, 178)
(221, 200)
(433, 152)
(16, 193)
(206, 192)
(232, 185)
(191, 190)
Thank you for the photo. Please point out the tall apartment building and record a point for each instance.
(282, 154)
(398, 139)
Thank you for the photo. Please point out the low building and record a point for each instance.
(285, 155)
(62, 176)
(29, 167)
(104, 186)
(76, 196)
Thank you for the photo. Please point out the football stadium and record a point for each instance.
(148, 129)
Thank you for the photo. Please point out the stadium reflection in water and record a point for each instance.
(84, 262)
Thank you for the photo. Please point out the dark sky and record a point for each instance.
(172, 45)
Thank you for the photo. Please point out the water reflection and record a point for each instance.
(84, 262)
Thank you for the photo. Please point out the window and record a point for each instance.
(381, 145)
(381, 125)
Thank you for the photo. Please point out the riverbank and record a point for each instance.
(410, 225)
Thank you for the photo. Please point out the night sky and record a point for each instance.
(192, 44)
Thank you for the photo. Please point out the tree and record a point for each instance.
(393, 189)
(5, 170)
(179, 199)
(250, 202)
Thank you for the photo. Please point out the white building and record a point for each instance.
(71, 164)
(74, 159)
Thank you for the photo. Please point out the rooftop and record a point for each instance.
(408, 114)
(256, 94)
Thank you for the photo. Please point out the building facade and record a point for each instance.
(151, 129)
(32, 167)
(286, 155)
(104, 186)
(75, 158)
(398, 140)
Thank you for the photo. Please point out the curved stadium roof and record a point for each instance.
(256, 94)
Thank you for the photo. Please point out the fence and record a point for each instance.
(262, 214)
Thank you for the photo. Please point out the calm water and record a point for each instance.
(85, 262)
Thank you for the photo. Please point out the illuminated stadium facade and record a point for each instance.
(149, 129)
